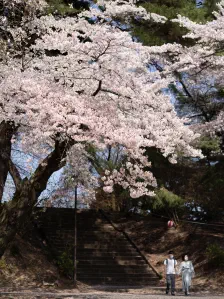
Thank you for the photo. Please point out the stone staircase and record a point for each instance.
(104, 255)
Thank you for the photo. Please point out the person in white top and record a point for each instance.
(170, 272)
(186, 269)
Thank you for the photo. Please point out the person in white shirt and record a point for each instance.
(170, 272)
(186, 269)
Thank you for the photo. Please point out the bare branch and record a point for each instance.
(53, 162)
(15, 175)
(98, 89)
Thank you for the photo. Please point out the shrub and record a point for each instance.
(215, 254)
(3, 264)
(66, 264)
(168, 202)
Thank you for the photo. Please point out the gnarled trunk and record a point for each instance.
(15, 213)
(6, 132)
(18, 210)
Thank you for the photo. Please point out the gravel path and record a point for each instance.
(46, 295)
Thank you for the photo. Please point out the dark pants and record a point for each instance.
(170, 282)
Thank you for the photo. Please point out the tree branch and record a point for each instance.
(98, 89)
(185, 88)
(115, 93)
(109, 152)
(15, 175)
(53, 162)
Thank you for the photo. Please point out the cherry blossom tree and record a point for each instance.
(69, 81)
(202, 66)
(205, 58)
(74, 96)
(13, 42)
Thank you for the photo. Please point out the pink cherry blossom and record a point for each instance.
(90, 83)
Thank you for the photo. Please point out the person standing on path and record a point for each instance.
(186, 269)
(170, 265)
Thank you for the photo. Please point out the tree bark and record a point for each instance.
(19, 209)
(6, 133)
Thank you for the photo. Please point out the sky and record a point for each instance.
(199, 3)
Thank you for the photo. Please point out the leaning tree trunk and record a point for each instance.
(18, 210)
(6, 132)
(15, 213)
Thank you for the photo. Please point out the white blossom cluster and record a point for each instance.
(204, 61)
(121, 9)
(78, 173)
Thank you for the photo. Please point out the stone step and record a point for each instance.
(101, 235)
(115, 271)
(119, 285)
(91, 227)
(107, 257)
(96, 245)
(108, 250)
(95, 241)
(80, 230)
(114, 267)
(68, 217)
(117, 276)
(99, 253)
(62, 242)
(110, 263)
(102, 227)
(83, 255)
(99, 246)
(103, 242)
(80, 225)
(116, 258)
(115, 281)
(60, 237)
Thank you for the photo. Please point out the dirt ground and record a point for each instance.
(29, 266)
(95, 295)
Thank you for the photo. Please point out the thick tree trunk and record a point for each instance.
(18, 210)
(15, 213)
(6, 132)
